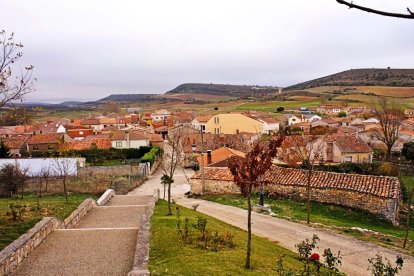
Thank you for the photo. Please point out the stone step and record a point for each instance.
(104, 217)
(101, 252)
(120, 200)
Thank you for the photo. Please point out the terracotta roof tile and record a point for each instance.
(86, 144)
(47, 138)
(381, 186)
(221, 154)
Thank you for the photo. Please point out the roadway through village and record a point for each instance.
(355, 253)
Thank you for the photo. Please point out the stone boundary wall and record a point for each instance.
(141, 258)
(17, 251)
(79, 213)
(155, 165)
(105, 197)
(387, 208)
(118, 170)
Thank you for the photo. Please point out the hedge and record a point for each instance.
(151, 156)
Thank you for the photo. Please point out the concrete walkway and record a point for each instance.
(354, 253)
(103, 243)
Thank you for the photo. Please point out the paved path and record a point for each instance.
(355, 253)
(103, 243)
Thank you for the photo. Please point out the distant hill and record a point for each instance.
(222, 89)
(69, 103)
(362, 77)
(128, 97)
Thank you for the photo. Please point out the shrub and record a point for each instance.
(380, 267)
(280, 109)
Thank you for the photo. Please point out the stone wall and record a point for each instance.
(214, 186)
(141, 258)
(16, 252)
(105, 197)
(387, 208)
(120, 170)
(79, 213)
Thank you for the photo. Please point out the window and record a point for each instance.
(35, 148)
(348, 159)
(50, 147)
(80, 132)
(119, 144)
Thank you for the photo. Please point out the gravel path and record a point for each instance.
(355, 253)
(103, 243)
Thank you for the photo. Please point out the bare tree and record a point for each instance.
(351, 5)
(173, 153)
(45, 174)
(246, 173)
(308, 150)
(390, 117)
(63, 167)
(13, 86)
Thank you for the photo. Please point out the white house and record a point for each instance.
(200, 122)
(160, 115)
(302, 118)
(128, 139)
(269, 125)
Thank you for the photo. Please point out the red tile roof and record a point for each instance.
(203, 119)
(133, 135)
(15, 142)
(87, 144)
(349, 143)
(47, 138)
(221, 154)
(381, 186)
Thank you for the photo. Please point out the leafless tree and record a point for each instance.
(63, 167)
(390, 117)
(13, 86)
(45, 174)
(308, 151)
(351, 5)
(246, 173)
(171, 159)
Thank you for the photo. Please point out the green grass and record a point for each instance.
(50, 205)
(170, 256)
(409, 183)
(326, 214)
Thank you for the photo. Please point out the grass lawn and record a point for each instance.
(50, 205)
(328, 215)
(409, 182)
(170, 256)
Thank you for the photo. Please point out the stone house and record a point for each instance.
(345, 149)
(45, 142)
(378, 195)
(160, 115)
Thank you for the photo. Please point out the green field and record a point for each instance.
(50, 206)
(170, 256)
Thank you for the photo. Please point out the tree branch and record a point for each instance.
(351, 5)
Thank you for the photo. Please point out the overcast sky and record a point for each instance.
(88, 49)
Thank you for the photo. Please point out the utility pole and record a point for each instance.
(203, 177)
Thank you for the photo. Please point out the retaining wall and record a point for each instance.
(141, 257)
(16, 252)
(387, 208)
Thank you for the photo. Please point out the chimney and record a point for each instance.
(209, 159)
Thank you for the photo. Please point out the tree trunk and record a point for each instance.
(389, 148)
(249, 229)
(169, 199)
(308, 187)
(46, 185)
(64, 189)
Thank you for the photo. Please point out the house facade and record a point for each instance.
(124, 139)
